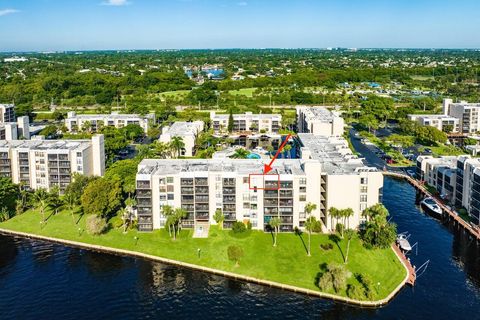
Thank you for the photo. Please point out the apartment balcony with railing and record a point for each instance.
(270, 194)
(3, 155)
(201, 215)
(270, 202)
(271, 185)
(144, 202)
(229, 182)
(144, 194)
(201, 207)
(187, 199)
(286, 184)
(286, 193)
(228, 191)
(201, 198)
(24, 169)
(201, 181)
(230, 216)
(186, 182)
(187, 190)
(143, 184)
(201, 190)
(229, 208)
(4, 162)
(228, 199)
(271, 211)
(188, 207)
(286, 202)
(144, 210)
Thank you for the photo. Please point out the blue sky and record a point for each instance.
(158, 24)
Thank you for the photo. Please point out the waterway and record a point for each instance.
(39, 280)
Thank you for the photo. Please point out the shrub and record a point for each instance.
(326, 246)
(355, 292)
(235, 253)
(239, 227)
(249, 225)
(96, 225)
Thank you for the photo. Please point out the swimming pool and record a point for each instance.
(254, 156)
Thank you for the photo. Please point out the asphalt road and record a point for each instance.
(369, 156)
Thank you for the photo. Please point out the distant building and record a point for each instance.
(247, 123)
(15, 59)
(74, 122)
(320, 121)
(7, 113)
(47, 163)
(468, 114)
(440, 121)
(188, 131)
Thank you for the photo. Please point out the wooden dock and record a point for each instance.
(412, 276)
(447, 212)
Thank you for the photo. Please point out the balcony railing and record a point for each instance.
(201, 190)
(201, 198)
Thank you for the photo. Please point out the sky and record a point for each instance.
(57, 25)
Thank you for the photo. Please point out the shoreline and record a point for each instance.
(278, 285)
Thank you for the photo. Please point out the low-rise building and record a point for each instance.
(319, 120)
(439, 173)
(440, 121)
(247, 123)
(188, 131)
(76, 122)
(47, 163)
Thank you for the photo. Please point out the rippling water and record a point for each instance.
(40, 280)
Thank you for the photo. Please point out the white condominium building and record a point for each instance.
(188, 131)
(7, 113)
(440, 121)
(247, 123)
(328, 175)
(466, 113)
(319, 120)
(48, 163)
(457, 179)
(75, 122)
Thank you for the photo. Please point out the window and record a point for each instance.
(246, 205)
(303, 197)
(162, 189)
(363, 180)
(161, 181)
(363, 198)
(163, 197)
(363, 189)
(363, 206)
(245, 179)
(253, 206)
(302, 189)
(303, 181)
(170, 196)
(169, 188)
(169, 179)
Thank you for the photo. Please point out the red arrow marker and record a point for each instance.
(268, 167)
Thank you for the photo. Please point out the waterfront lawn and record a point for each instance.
(287, 263)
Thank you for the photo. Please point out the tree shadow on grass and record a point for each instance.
(299, 234)
(323, 268)
(336, 239)
(80, 216)
(52, 213)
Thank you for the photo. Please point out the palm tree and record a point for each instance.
(177, 145)
(125, 215)
(274, 223)
(310, 223)
(70, 203)
(347, 213)
(349, 234)
(41, 198)
(179, 214)
(334, 213)
(286, 150)
(161, 150)
(167, 212)
(54, 201)
(240, 153)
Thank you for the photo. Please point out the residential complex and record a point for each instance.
(467, 113)
(247, 123)
(77, 122)
(319, 120)
(48, 163)
(440, 121)
(457, 179)
(243, 193)
(188, 131)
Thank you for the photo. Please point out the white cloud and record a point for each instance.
(242, 3)
(116, 3)
(4, 12)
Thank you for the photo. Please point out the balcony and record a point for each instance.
(201, 216)
(143, 184)
(270, 202)
(229, 182)
(201, 199)
(270, 194)
(144, 193)
(188, 207)
(228, 191)
(144, 211)
(229, 208)
(201, 190)
(144, 203)
(286, 193)
(286, 203)
(271, 185)
(201, 181)
(187, 190)
(228, 199)
(187, 199)
(271, 211)
(230, 216)
(5, 162)
(186, 182)
(201, 207)
(64, 164)
(286, 184)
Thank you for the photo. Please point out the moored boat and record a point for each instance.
(431, 207)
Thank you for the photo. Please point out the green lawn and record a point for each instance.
(287, 263)
(174, 94)
(446, 150)
(248, 92)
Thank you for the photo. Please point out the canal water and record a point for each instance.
(39, 280)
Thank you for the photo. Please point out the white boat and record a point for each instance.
(402, 242)
(431, 206)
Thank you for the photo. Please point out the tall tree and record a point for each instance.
(102, 197)
(230, 121)
(219, 218)
(41, 198)
(274, 223)
(177, 144)
(310, 223)
(8, 194)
